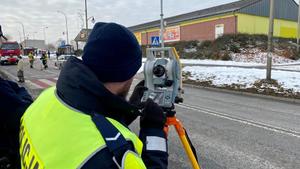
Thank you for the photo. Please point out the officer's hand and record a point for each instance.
(137, 94)
(153, 116)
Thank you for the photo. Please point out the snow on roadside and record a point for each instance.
(218, 62)
(222, 76)
(258, 56)
(292, 68)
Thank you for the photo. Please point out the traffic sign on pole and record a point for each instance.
(155, 41)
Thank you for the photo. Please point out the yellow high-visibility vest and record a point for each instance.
(54, 135)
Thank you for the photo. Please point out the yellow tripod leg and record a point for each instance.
(189, 152)
(182, 135)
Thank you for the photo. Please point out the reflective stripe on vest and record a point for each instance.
(55, 136)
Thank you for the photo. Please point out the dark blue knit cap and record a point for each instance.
(112, 53)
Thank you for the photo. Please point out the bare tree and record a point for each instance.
(51, 47)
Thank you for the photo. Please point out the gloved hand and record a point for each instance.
(135, 100)
(153, 116)
(137, 94)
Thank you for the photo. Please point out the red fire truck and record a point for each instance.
(9, 53)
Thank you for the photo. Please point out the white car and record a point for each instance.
(61, 60)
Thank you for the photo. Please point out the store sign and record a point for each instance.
(172, 34)
(138, 36)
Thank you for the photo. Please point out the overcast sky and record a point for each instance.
(36, 14)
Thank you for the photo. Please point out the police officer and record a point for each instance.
(83, 121)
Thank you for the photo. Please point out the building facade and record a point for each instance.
(245, 16)
(33, 43)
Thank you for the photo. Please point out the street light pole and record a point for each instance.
(270, 40)
(23, 33)
(33, 35)
(86, 17)
(20, 36)
(44, 29)
(67, 30)
(162, 24)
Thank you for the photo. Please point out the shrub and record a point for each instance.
(224, 45)
(234, 48)
(225, 56)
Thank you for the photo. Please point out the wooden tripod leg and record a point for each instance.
(182, 135)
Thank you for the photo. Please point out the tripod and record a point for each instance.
(187, 144)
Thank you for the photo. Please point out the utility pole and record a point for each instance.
(298, 32)
(86, 18)
(162, 24)
(270, 40)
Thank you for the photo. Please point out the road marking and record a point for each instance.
(42, 83)
(11, 76)
(49, 71)
(48, 81)
(243, 121)
(33, 85)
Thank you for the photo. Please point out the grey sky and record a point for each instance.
(36, 14)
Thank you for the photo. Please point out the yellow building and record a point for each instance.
(245, 16)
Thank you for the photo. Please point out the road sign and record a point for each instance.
(155, 41)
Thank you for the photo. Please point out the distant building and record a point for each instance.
(245, 16)
(37, 44)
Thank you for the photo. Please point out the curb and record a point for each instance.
(33, 92)
(288, 100)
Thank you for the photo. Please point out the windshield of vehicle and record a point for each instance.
(10, 46)
(67, 57)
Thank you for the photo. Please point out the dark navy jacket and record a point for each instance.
(14, 100)
(78, 87)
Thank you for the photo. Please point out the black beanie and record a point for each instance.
(112, 53)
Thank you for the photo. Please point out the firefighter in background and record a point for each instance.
(31, 59)
(44, 59)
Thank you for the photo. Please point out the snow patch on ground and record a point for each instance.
(293, 68)
(218, 62)
(258, 56)
(222, 76)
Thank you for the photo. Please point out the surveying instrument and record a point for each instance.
(163, 78)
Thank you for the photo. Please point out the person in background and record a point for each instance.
(44, 59)
(49, 54)
(14, 100)
(31, 59)
(20, 70)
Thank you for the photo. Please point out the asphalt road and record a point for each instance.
(228, 130)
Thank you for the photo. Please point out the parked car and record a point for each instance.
(9, 53)
(61, 60)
